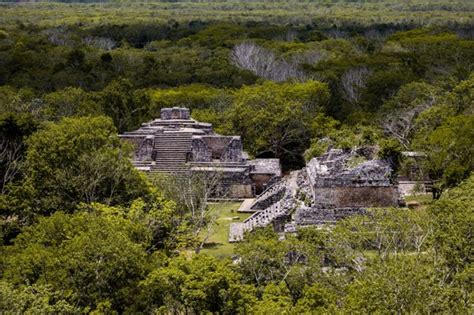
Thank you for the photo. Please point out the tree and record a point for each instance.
(450, 148)
(69, 102)
(352, 81)
(14, 128)
(78, 160)
(91, 258)
(263, 258)
(275, 119)
(276, 299)
(453, 218)
(35, 299)
(127, 108)
(200, 284)
(401, 111)
(405, 284)
(317, 298)
(191, 195)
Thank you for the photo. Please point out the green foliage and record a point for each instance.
(90, 258)
(77, 160)
(201, 99)
(85, 233)
(69, 102)
(450, 149)
(275, 299)
(274, 119)
(402, 284)
(453, 216)
(35, 299)
(317, 298)
(127, 107)
(391, 150)
(200, 284)
(331, 133)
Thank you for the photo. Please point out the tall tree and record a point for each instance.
(274, 119)
(78, 160)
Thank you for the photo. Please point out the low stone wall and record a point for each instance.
(233, 151)
(232, 183)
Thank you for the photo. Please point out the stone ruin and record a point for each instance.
(338, 184)
(178, 145)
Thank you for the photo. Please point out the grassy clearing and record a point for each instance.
(422, 199)
(217, 244)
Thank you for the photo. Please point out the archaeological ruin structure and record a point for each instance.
(338, 184)
(335, 185)
(178, 145)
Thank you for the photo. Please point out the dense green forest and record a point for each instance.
(84, 232)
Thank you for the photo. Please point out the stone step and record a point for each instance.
(165, 157)
(236, 232)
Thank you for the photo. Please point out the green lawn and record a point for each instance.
(217, 244)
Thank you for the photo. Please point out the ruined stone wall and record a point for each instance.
(240, 191)
(237, 184)
(261, 182)
(175, 113)
(231, 184)
(272, 198)
(216, 144)
(142, 147)
(314, 216)
(223, 148)
(200, 150)
(353, 196)
(232, 151)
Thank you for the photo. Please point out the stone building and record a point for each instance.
(338, 184)
(179, 145)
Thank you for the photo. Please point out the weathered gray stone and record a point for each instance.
(175, 113)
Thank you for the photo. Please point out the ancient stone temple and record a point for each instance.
(176, 144)
(338, 184)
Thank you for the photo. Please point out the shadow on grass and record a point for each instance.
(212, 245)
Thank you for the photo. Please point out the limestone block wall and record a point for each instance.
(216, 144)
(237, 184)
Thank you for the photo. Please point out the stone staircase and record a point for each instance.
(269, 196)
(282, 205)
(260, 219)
(171, 149)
